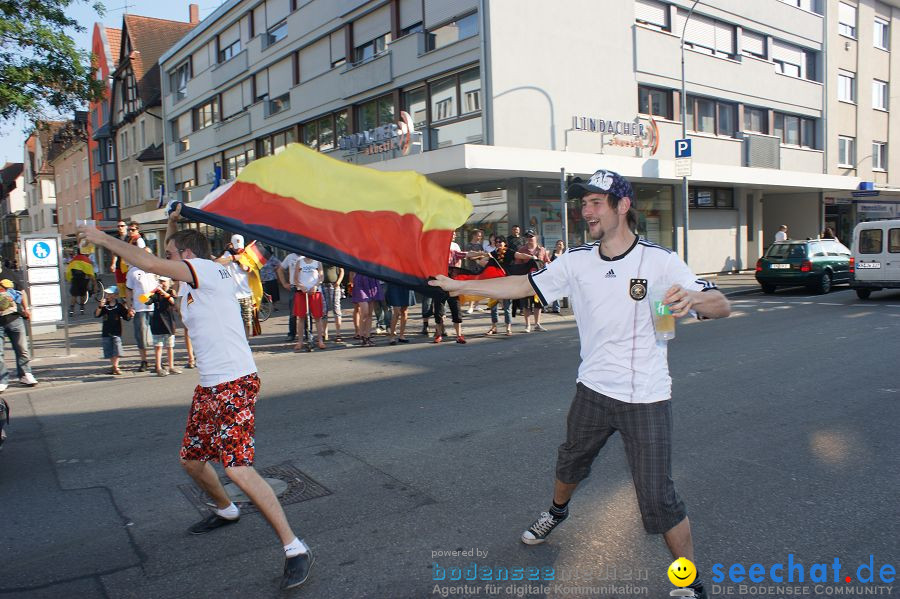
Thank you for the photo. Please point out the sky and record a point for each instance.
(11, 137)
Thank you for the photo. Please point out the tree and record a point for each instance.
(40, 66)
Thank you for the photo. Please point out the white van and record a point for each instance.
(876, 257)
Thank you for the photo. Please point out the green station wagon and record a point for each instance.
(815, 263)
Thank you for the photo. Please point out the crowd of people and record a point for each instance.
(320, 298)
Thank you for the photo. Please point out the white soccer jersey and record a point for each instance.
(620, 356)
(213, 318)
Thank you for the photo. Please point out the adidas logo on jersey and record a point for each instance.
(611, 274)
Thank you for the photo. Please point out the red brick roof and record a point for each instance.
(149, 38)
(114, 37)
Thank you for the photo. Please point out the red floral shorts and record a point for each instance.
(221, 423)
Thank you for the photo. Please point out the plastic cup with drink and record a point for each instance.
(663, 320)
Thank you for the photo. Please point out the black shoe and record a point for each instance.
(296, 570)
(210, 523)
(144, 367)
(538, 532)
(291, 338)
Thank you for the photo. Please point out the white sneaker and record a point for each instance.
(528, 329)
(538, 327)
(3, 387)
(28, 380)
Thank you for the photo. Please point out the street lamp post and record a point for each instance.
(684, 179)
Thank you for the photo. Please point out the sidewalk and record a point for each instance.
(53, 367)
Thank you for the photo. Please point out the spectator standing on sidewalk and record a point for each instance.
(113, 312)
(782, 234)
(623, 380)
(399, 298)
(306, 276)
(536, 255)
(366, 291)
(13, 313)
(162, 326)
(284, 277)
(332, 293)
(268, 275)
(221, 423)
(137, 283)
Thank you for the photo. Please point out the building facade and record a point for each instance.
(504, 119)
(71, 176)
(105, 45)
(40, 188)
(13, 209)
(136, 113)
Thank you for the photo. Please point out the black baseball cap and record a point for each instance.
(530, 233)
(602, 181)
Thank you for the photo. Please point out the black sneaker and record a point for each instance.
(144, 367)
(537, 533)
(210, 523)
(296, 570)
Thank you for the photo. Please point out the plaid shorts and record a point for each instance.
(647, 434)
(221, 423)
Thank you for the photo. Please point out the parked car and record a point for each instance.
(816, 263)
(876, 257)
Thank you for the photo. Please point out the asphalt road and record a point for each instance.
(785, 443)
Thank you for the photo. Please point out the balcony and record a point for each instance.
(359, 78)
(224, 72)
(233, 128)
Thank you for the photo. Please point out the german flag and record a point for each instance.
(394, 226)
(81, 263)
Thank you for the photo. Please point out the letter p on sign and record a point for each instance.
(682, 148)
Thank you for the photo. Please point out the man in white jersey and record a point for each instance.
(623, 381)
(221, 422)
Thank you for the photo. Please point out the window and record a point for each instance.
(143, 135)
(846, 86)
(847, 20)
(279, 104)
(206, 114)
(655, 102)
(123, 145)
(236, 159)
(157, 180)
(706, 35)
(371, 49)
(652, 14)
(879, 94)
(847, 151)
(414, 28)
(708, 197)
(756, 120)
(275, 34)
(273, 144)
(110, 150)
(870, 241)
(753, 44)
(179, 79)
(374, 113)
(879, 156)
(452, 101)
(415, 103)
(229, 51)
(894, 241)
(460, 29)
(882, 34)
(795, 130)
(443, 99)
(322, 133)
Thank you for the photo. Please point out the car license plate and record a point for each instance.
(864, 265)
(777, 266)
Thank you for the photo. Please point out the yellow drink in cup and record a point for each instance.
(663, 321)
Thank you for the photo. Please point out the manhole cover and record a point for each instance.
(290, 485)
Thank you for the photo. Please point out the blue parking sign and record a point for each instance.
(41, 250)
(682, 148)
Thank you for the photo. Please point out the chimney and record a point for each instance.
(194, 12)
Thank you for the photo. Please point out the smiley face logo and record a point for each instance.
(682, 572)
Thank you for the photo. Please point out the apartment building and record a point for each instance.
(505, 97)
(40, 188)
(862, 36)
(136, 112)
(68, 159)
(13, 215)
(105, 46)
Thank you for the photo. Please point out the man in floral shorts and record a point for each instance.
(220, 426)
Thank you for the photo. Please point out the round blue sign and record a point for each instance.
(41, 250)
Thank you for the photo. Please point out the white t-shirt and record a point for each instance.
(306, 274)
(213, 318)
(140, 283)
(241, 281)
(620, 356)
(781, 236)
(288, 263)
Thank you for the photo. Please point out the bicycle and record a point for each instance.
(265, 308)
